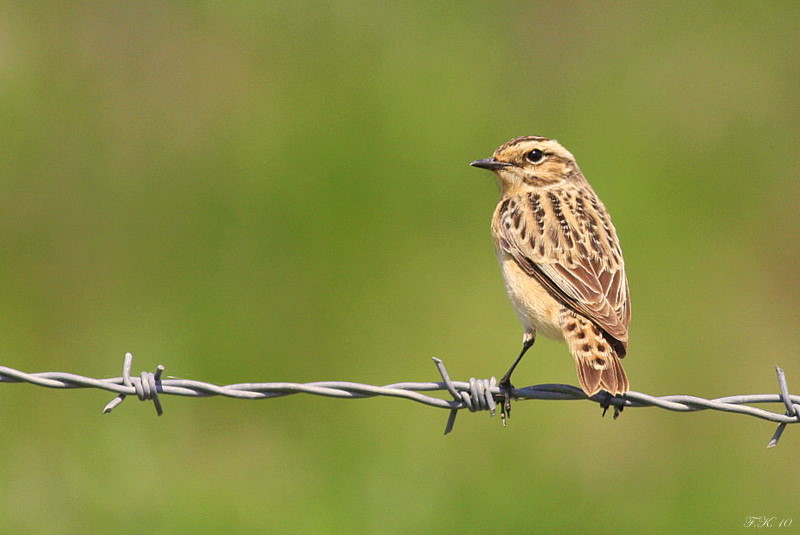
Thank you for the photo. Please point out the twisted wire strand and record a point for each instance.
(474, 395)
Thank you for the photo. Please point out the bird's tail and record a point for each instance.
(599, 367)
(599, 372)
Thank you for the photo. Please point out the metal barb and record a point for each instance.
(791, 408)
(478, 396)
(146, 386)
(451, 419)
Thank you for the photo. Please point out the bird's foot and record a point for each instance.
(606, 403)
(505, 398)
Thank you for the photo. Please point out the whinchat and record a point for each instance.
(561, 261)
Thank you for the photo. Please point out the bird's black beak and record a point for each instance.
(489, 163)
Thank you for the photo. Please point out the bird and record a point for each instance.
(561, 262)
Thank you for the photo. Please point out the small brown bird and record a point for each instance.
(561, 261)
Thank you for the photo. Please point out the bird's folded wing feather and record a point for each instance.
(575, 255)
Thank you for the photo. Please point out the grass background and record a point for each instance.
(280, 192)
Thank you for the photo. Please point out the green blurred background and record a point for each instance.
(280, 191)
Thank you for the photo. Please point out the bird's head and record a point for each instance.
(530, 162)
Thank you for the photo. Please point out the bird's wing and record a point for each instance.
(570, 246)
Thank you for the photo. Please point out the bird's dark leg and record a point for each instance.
(505, 383)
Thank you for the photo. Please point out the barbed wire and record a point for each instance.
(474, 395)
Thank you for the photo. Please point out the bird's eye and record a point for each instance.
(535, 156)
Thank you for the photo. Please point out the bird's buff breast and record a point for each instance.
(535, 307)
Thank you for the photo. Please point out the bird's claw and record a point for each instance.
(504, 398)
(606, 403)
